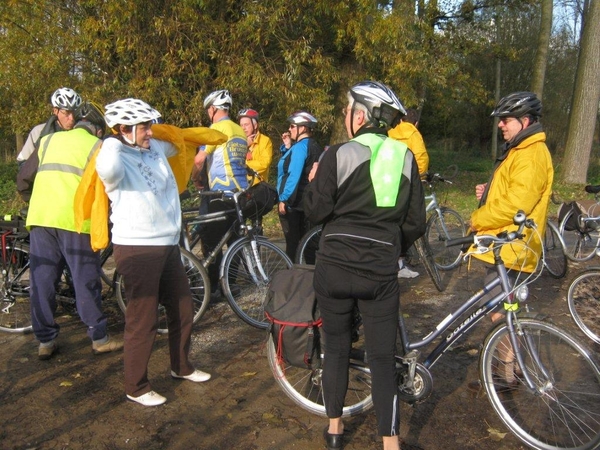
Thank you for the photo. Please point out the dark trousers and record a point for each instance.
(50, 250)
(337, 292)
(153, 275)
(293, 225)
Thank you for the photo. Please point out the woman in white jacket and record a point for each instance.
(146, 217)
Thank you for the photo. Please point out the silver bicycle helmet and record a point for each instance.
(519, 104)
(65, 98)
(303, 118)
(219, 99)
(383, 105)
(129, 111)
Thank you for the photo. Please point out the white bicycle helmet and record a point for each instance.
(384, 106)
(65, 98)
(129, 111)
(219, 99)
(303, 118)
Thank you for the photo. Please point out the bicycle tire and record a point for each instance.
(583, 298)
(15, 308)
(563, 410)
(199, 286)
(106, 274)
(242, 282)
(428, 262)
(304, 387)
(441, 227)
(555, 259)
(579, 245)
(308, 245)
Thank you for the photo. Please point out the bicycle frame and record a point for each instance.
(410, 349)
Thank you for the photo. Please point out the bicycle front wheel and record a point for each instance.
(246, 272)
(15, 310)
(584, 302)
(562, 411)
(441, 227)
(308, 246)
(555, 259)
(579, 245)
(428, 262)
(304, 387)
(199, 286)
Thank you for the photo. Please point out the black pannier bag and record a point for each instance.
(261, 199)
(581, 208)
(291, 307)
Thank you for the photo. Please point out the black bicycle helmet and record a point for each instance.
(383, 105)
(519, 104)
(92, 113)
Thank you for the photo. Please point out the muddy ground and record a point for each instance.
(76, 400)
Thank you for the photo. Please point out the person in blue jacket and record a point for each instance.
(299, 152)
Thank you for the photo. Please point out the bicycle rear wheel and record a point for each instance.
(579, 245)
(563, 409)
(584, 302)
(440, 228)
(308, 246)
(304, 388)
(246, 275)
(554, 250)
(199, 286)
(428, 262)
(15, 309)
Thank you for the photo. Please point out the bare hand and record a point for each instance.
(282, 209)
(287, 139)
(479, 190)
(313, 171)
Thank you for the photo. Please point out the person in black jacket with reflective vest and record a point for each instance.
(368, 195)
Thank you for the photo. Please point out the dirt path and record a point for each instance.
(76, 400)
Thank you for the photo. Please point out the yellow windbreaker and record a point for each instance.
(523, 181)
(262, 155)
(91, 201)
(406, 132)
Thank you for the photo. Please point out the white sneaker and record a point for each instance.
(405, 272)
(197, 376)
(148, 399)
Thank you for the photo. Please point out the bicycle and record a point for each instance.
(247, 265)
(581, 230)
(15, 310)
(552, 399)
(443, 224)
(583, 298)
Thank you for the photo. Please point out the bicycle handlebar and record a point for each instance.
(486, 240)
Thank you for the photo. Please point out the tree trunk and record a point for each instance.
(541, 55)
(584, 110)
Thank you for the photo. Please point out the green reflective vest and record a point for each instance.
(63, 157)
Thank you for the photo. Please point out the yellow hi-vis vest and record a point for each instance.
(63, 158)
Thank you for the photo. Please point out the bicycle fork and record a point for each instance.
(252, 259)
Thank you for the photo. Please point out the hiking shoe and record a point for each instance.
(46, 351)
(109, 346)
(197, 376)
(405, 272)
(148, 399)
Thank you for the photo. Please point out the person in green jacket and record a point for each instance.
(54, 240)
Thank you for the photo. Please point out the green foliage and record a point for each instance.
(10, 202)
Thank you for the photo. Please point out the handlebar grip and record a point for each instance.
(460, 241)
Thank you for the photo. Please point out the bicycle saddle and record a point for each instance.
(592, 189)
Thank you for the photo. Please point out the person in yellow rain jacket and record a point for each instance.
(260, 146)
(521, 180)
(406, 131)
